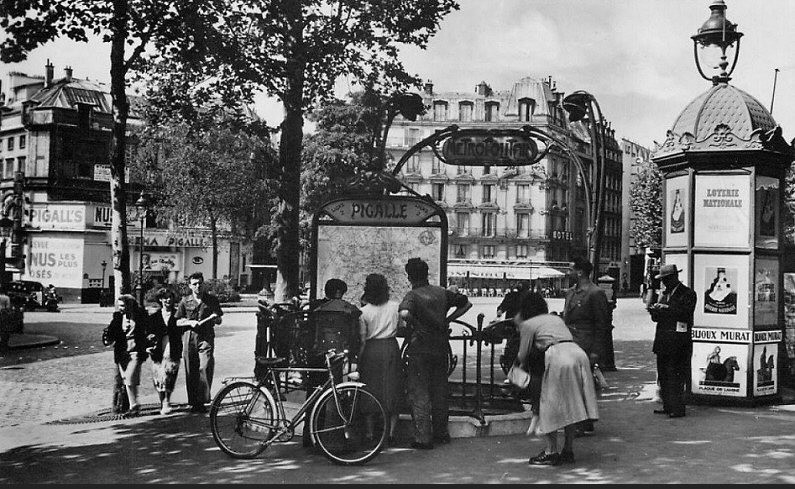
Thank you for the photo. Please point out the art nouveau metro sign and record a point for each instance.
(489, 148)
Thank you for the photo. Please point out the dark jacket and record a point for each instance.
(681, 305)
(122, 345)
(159, 328)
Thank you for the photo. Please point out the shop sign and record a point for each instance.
(161, 261)
(58, 217)
(393, 210)
(561, 235)
(178, 240)
(58, 261)
(103, 216)
(102, 173)
(489, 148)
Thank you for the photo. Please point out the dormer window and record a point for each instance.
(440, 111)
(465, 111)
(84, 115)
(527, 108)
(492, 111)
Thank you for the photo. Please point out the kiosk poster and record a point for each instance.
(722, 283)
(719, 369)
(722, 211)
(765, 360)
(767, 212)
(676, 214)
(789, 314)
(765, 294)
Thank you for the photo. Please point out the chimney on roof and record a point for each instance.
(428, 87)
(68, 73)
(483, 88)
(48, 74)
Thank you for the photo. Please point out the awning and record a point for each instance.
(497, 271)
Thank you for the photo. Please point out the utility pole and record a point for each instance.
(773, 98)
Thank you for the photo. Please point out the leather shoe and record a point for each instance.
(676, 415)
(544, 458)
(660, 411)
(421, 446)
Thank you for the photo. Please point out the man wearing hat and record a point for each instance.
(673, 313)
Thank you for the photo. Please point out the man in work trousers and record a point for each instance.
(673, 313)
(587, 314)
(424, 309)
(198, 342)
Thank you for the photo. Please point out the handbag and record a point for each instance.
(518, 376)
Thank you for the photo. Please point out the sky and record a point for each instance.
(634, 56)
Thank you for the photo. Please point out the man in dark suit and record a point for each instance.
(673, 313)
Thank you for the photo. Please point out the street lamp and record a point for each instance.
(143, 206)
(103, 264)
(579, 105)
(717, 33)
(6, 225)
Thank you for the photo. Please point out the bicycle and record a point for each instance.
(347, 422)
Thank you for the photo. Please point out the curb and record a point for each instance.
(23, 340)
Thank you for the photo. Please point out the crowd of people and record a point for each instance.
(174, 332)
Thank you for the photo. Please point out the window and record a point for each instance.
(488, 251)
(436, 166)
(522, 225)
(411, 136)
(463, 192)
(21, 164)
(465, 111)
(11, 143)
(489, 221)
(489, 195)
(527, 108)
(8, 169)
(440, 111)
(84, 115)
(523, 194)
(521, 251)
(413, 165)
(22, 142)
(437, 189)
(461, 169)
(460, 251)
(462, 223)
(492, 111)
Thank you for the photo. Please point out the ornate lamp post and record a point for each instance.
(103, 264)
(142, 204)
(580, 104)
(717, 34)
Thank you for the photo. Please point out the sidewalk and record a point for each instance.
(631, 445)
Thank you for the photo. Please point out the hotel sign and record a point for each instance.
(490, 148)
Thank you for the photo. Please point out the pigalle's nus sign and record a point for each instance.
(394, 210)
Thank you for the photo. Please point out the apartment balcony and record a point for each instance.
(501, 233)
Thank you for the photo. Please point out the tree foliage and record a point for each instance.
(296, 51)
(210, 177)
(645, 200)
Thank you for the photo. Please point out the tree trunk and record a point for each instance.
(214, 232)
(118, 194)
(289, 191)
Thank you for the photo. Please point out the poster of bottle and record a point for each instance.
(719, 369)
(676, 213)
(767, 212)
(722, 211)
(766, 296)
(765, 360)
(722, 284)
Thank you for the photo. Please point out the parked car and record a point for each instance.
(30, 295)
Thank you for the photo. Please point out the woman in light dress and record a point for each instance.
(567, 393)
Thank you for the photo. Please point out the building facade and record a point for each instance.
(632, 257)
(56, 134)
(528, 221)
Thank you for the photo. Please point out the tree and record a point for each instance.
(295, 51)
(144, 26)
(206, 177)
(645, 201)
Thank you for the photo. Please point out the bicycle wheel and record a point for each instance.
(242, 419)
(350, 429)
(452, 359)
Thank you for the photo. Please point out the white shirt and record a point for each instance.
(379, 322)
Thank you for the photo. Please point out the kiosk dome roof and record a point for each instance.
(723, 104)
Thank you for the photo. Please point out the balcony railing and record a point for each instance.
(511, 233)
